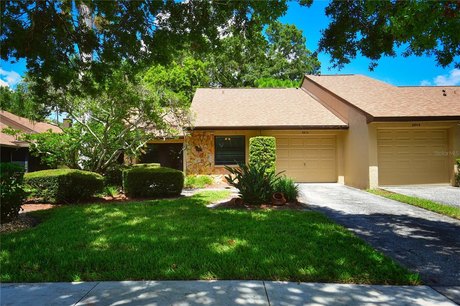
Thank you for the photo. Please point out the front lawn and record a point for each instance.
(183, 239)
(443, 209)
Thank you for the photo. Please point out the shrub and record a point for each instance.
(114, 175)
(12, 193)
(64, 185)
(262, 152)
(256, 185)
(152, 182)
(147, 165)
(198, 181)
(288, 187)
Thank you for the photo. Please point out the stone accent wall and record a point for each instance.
(200, 153)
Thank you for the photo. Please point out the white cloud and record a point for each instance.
(453, 78)
(3, 83)
(425, 83)
(9, 78)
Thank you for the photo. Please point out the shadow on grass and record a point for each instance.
(182, 239)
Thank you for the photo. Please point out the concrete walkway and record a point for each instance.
(443, 194)
(423, 241)
(215, 293)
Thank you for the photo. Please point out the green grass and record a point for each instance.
(198, 181)
(183, 239)
(443, 209)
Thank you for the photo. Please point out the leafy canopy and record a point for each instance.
(376, 28)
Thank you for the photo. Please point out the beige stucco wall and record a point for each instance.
(199, 148)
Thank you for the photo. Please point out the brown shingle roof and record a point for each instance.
(8, 119)
(380, 99)
(260, 108)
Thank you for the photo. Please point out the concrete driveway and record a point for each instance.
(442, 194)
(423, 241)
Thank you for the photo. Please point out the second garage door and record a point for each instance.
(307, 158)
(412, 157)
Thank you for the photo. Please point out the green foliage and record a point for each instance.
(22, 102)
(152, 182)
(146, 165)
(376, 28)
(198, 181)
(178, 80)
(278, 53)
(288, 187)
(110, 191)
(68, 40)
(276, 83)
(64, 185)
(118, 119)
(12, 193)
(262, 152)
(255, 184)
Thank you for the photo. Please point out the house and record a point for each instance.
(350, 129)
(12, 150)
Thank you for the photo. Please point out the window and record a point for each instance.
(229, 150)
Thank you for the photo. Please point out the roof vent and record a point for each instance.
(444, 92)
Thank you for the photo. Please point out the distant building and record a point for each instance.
(13, 150)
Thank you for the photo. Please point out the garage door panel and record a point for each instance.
(307, 158)
(412, 157)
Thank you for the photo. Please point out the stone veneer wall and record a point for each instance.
(199, 148)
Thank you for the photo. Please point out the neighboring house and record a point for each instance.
(349, 129)
(16, 151)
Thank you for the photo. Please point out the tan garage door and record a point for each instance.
(412, 157)
(307, 158)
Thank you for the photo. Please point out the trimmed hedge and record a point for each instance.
(262, 152)
(146, 165)
(152, 182)
(12, 193)
(64, 185)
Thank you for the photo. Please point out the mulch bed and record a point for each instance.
(233, 204)
(23, 221)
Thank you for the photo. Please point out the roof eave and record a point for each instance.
(414, 118)
(273, 127)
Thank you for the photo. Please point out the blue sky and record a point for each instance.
(394, 70)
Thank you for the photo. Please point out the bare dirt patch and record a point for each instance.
(23, 221)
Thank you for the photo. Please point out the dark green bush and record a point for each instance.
(152, 182)
(147, 165)
(256, 185)
(262, 152)
(12, 193)
(114, 175)
(64, 185)
(287, 187)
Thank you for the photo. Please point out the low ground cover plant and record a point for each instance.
(198, 181)
(451, 211)
(288, 188)
(181, 238)
(64, 185)
(457, 178)
(255, 184)
(147, 181)
(12, 192)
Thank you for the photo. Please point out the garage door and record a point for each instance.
(412, 157)
(307, 158)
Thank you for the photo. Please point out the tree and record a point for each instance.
(65, 40)
(119, 118)
(20, 102)
(180, 79)
(279, 54)
(376, 28)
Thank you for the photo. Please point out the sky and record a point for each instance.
(397, 70)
